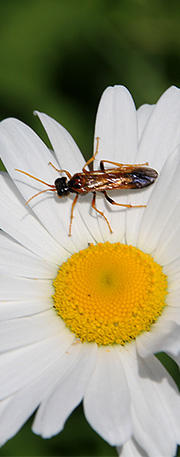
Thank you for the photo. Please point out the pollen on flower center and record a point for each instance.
(110, 293)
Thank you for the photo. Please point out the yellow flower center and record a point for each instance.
(110, 293)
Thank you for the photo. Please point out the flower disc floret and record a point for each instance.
(110, 293)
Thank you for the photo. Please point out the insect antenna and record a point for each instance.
(53, 187)
(42, 191)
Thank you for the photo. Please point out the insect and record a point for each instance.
(121, 176)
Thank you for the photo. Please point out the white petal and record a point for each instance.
(23, 288)
(162, 207)
(12, 413)
(169, 243)
(173, 282)
(172, 343)
(116, 125)
(11, 309)
(173, 299)
(5, 433)
(143, 114)
(172, 269)
(21, 332)
(24, 227)
(23, 149)
(70, 158)
(162, 134)
(68, 154)
(155, 405)
(22, 366)
(160, 137)
(165, 389)
(162, 336)
(18, 261)
(72, 376)
(131, 449)
(176, 358)
(89, 220)
(106, 402)
(162, 339)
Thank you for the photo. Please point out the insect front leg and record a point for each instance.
(72, 211)
(128, 205)
(100, 212)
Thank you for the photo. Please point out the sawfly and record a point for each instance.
(121, 176)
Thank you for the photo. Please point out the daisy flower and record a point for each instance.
(82, 316)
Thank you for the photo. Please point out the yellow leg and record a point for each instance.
(100, 212)
(93, 157)
(126, 205)
(61, 171)
(72, 210)
(123, 166)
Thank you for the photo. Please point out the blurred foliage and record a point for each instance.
(58, 56)
(77, 439)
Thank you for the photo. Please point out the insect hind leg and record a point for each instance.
(123, 166)
(100, 212)
(126, 205)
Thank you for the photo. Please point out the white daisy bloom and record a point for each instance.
(82, 316)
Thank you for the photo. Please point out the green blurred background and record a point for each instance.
(58, 56)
